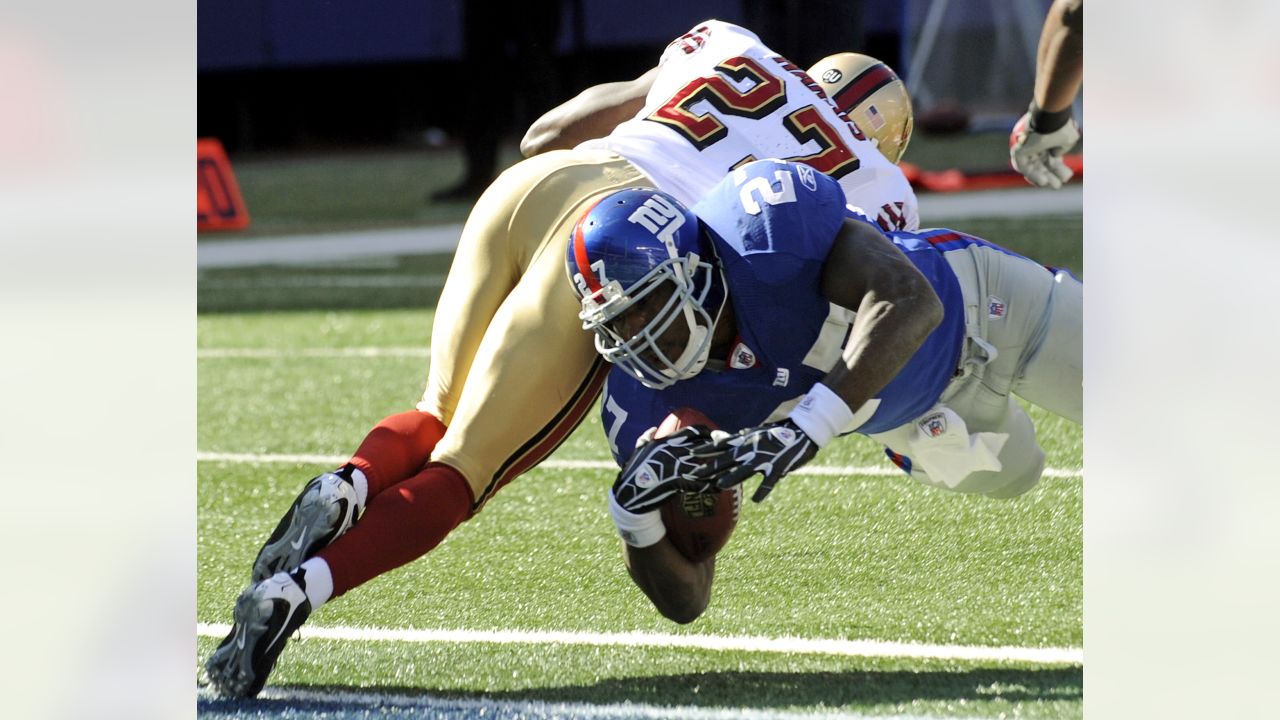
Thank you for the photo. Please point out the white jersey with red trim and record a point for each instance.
(722, 99)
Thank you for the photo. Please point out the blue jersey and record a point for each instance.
(773, 224)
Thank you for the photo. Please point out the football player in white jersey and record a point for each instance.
(512, 372)
(731, 100)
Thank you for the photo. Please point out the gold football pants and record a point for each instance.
(512, 371)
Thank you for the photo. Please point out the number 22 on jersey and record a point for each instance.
(765, 96)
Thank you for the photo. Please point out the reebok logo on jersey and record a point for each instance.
(782, 377)
(807, 179)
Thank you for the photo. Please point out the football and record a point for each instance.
(698, 525)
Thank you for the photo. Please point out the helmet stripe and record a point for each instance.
(862, 85)
(580, 250)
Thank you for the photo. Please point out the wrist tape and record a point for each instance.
(822, 415)
(1045, 122)
(637, 529)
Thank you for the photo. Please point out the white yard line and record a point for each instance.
(338, 247)
(327, 247)
(447, 708)
(270, 353)
(1020, 202)
(822, 470)
(346, 282)
(742, 643)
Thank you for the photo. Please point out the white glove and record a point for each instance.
(1039, 156)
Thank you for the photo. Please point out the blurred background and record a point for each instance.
(342, 115)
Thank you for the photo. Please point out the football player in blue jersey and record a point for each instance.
(789, 318)
(511, 372)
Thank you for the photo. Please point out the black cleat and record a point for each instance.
(326, 508)
(266, 614)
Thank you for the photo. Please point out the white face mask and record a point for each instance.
(641, 354)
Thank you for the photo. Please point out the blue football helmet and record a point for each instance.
(627, 252)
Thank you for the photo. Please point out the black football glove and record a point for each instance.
(659, 468)
(772, 450)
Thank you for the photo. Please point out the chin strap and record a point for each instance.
(724, 302)
(697, 335)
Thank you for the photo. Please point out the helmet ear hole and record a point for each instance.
(870, 94)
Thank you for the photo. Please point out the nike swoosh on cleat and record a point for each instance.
(297, 544)
(292, 610)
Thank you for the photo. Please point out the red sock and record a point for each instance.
(399, 526)
(397, 448)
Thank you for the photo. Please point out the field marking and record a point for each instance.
(817, 470)
(743, 643)
(343, 246)
(1013, 202)
(445, 708)
(380, 281)
(313, 352)
(328, 247)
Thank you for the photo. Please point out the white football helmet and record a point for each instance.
(871, 95)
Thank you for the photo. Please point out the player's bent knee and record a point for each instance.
(1018, 485)
(1023, 467)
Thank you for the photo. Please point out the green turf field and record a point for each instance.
(303, 360)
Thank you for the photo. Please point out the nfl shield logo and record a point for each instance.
(995, 308)
(934, 425)
(742, 357)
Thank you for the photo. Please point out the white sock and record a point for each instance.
(319, 581)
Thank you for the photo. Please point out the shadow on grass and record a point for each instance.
(772, 689)
(711, 690)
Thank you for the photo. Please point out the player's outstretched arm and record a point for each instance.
(896, 310)
(1047, 131)
(593, 113)
(1060, 56)
(678, 587)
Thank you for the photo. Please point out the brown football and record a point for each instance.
(698, 525)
